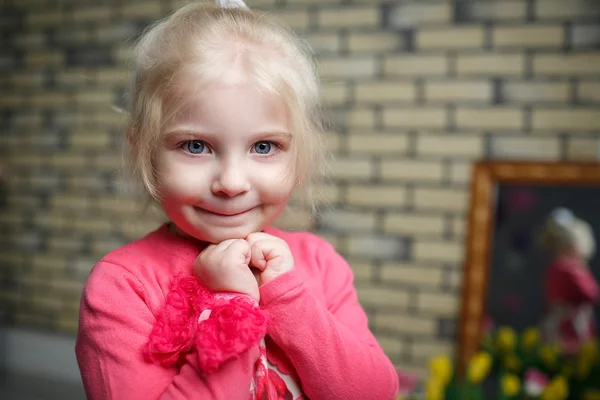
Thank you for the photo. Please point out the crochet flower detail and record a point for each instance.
(234, 325)
(221, 326)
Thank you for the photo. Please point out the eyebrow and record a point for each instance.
(258, 135)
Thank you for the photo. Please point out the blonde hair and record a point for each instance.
(565, 233)
(201, 44)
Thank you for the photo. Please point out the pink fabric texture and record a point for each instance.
(144, 332)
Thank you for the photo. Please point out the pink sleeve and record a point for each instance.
(331, 348)
(582, 284)
(114, 325)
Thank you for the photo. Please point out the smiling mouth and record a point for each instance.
(222, 214)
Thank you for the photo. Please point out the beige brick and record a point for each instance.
(582, 149)
(295, 219)
(566, 10)
(361, 270)
(456, 91)
(372, 246)
(411, 275)
(118, 205)
(102, 247)
(422, 117)
(528, 36)
(579, 119)
(66, 160)
(490, 64)
(376, 195)
(96, 140)
(51, 220)
(74, 77)
(416, 65)
(489, 118)
(440, 199)
(589, 91)
(415, 14)
(324, 42)
(499, 10)
(14, 100)
(49, 262)
(535, 92)
(438, 303)
(295, 19)
(49, 100)
(378, 296)
(334, 141)
(566, 64)
(349, 67)
(385, 91)
(111, 76)
(403, 323)
(361, 117)
(135, 229)
(43, 59)
(26, 79)
(412, 170)
(450, 38)
(89, 14)
(377, 143)
(414, 224)
(345, 221)
(459, 226)
(59, 243)
(449, 145)
(460, 172)
(44, 18)
(351, 168)
(373, 42)
(70, 202)
(437, 251)
(93, 226)
(391, 345)
(105, 97)
(327, 193)
(526, 148)
(146, 9)
(424, 350)
(349, 17)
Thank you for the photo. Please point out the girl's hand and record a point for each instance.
(224, 267)
(270, 255)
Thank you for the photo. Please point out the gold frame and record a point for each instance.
(487, 175)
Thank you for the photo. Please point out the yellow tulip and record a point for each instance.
(530, 338)
(441, 369)
(591, 394)
(511, 385)
(589, 351)
(434, 390)
(557, 389)
(479, 367)
(506, 339)
(549, 355)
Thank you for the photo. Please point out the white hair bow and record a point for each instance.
(231, 3)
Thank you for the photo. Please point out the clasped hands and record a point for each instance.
(243, 265)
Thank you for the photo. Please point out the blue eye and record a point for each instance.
(195, 146)
(262, 147)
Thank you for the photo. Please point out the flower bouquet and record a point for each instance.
(510, 366)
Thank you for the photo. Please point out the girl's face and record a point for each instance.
(225, 165)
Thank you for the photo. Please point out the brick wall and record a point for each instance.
(417, 91)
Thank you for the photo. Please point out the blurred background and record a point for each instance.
(417, 91)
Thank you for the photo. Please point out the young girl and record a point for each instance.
(571, 290)
(216, 304)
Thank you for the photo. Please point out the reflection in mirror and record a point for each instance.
(543, 266)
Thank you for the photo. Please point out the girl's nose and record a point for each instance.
(231, 181)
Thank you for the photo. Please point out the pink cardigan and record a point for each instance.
(318, 332)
